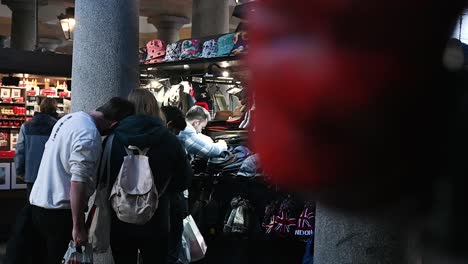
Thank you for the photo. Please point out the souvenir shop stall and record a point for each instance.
(242, 217)
(26, 78)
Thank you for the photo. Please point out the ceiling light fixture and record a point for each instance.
(67, 21)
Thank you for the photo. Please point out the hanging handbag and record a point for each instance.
(156, 51)
(225, 44)
(210, 49)
(99, 231)
(173, 52)
(190, 49)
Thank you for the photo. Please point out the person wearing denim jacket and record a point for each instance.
(31, 142)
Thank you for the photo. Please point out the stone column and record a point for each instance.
(168, 26)
(210, 17)
(343, 238)
(23, 24)
(105, 51)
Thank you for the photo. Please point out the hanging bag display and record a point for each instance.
(210, 49)
(190, 49)
(194, 238)
(156, 51)
(78, 255)
(99, 231)
(173, 52)
(225, 44)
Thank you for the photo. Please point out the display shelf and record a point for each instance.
(11, 115)
(191, 61)
(12, 119)
(10, 127)
(13, 87)
(45, 96)
(12, 103)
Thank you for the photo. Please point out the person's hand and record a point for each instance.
(80, 236)
(222, 143)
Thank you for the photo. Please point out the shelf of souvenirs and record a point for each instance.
(12, 119)
(12, 103)
(50, 96)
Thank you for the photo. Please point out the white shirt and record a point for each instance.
(72, 153)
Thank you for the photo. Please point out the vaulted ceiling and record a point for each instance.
(50, 31)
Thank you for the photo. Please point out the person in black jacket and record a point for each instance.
(175, 121)
(168, 162)
(31, 142)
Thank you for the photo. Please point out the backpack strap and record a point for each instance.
(130, 150)
(105, 160)
(161, 193)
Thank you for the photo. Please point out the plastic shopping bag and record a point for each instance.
(184, 252)
(78, 255)
(194, 239)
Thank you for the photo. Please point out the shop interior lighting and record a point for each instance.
(225, 74)
(67, 21)
(224, 64)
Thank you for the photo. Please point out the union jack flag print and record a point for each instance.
(284, 224)
(306, 219)
(269, 227)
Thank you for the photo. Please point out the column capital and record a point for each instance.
(168, 21)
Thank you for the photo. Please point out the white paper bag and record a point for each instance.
(195, 240)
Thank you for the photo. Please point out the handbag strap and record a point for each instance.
(105, 162)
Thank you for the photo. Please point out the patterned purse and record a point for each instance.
(210, 49)
(173, 52)
(190, 49)
(156, 51)
(225, 44)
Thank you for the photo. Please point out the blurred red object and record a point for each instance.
(346, 94)
(7, 154)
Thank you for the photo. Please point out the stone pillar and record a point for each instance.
(168, 26)
(23, 24)
(210, 17)
(343, 238)
(105, 51)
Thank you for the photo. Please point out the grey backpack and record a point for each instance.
(134, 196)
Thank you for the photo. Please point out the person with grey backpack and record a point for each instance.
(147, 165)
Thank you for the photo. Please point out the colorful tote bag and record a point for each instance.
(225, 44)
(173, 52)
(190, 49)
(210, 49)
(156, 50)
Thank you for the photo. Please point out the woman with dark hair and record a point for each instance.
(169, 166)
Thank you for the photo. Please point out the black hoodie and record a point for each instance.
(167, 158)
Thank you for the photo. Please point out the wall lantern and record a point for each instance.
(67, 21)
